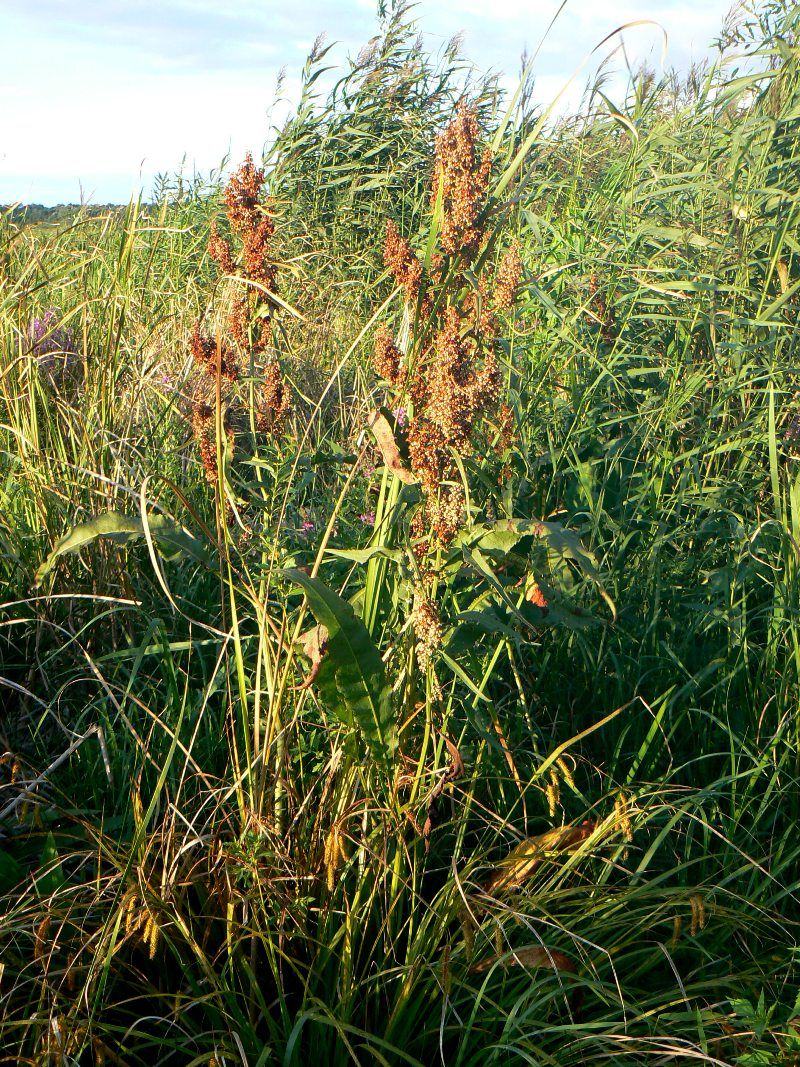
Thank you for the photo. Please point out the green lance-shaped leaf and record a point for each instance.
(53, 877)
(351, 676)
(123, 528)
(11, 872)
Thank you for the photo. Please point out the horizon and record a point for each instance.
(123, 92)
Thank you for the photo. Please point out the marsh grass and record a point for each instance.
(230, 866)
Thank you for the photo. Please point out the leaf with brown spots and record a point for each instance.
(312, 644)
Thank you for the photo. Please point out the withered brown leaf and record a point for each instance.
(384, 437)
(529, 854)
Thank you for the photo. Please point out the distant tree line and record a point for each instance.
(35, 214)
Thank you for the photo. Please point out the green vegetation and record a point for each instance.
(53, 215)
(400, 646)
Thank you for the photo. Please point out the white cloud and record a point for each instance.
(83, 96)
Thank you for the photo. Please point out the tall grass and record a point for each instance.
(573, 838)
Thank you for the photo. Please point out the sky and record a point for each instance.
(98, 96)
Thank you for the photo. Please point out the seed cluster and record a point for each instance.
(461, 176)
(387, 359)
(206, 355)
(455, 381)
(456, 388)
(251, 223)
(509, 275)
(402, 261)
(275, 401)
(204, 432)
(427, 627)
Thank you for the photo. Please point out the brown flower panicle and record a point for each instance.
(204, 353)
(251, 223)
(243, 194)
(239, 320)
(462, 176)
(458, 388)
(202, 418)
(427, 627)
(387, 359)
(275, 402)
(220, 251)
(505, 425)
(446, 512)
(258, 266)
(251, 220)
(454, 383)
(509, 275)
(402, 261)
(428, 452)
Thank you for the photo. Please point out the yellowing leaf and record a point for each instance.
(531, 956)
(529, 854)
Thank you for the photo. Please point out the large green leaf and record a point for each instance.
(505, 534)
(123, 528)
(499, 538)
(11, 872)
(53, 877)
(351, 676)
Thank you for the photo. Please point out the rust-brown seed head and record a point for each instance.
(509, 274)
(204, 353)
(275, 401)
(387, 359)
(402, 261)
(203, 430)
(220, 251)
(463, 178)
(427, 627)
(242, 195)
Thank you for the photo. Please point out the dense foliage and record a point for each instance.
(400, 646)
(53, 214)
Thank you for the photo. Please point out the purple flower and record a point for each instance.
(307, 527)
(47, 338)
(401, 416)
(368, 518)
